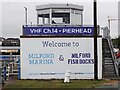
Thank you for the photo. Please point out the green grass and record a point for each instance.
(54, 84)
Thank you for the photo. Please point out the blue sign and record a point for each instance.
(58, 30)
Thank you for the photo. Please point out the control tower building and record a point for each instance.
(59, 42)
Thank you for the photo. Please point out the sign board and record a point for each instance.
(49, 58)
(58, 30)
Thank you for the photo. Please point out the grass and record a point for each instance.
(54, 84)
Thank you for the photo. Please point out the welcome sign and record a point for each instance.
(58, 30)
(48, 58)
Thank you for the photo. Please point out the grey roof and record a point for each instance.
(62, 6)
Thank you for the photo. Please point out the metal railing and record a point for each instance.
(112, 52)
(107, 36)
(113, 55)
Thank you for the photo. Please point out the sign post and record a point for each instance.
(95, 42)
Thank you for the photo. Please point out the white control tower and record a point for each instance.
(59, 14)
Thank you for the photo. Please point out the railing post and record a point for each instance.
(4, 68)
(18, 69)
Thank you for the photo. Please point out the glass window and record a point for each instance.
(44, 19)
(60, 18)
(76, 17)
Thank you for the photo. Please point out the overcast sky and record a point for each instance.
(13, 14)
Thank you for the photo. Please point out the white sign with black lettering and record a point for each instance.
(48, 58)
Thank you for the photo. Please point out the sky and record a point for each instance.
(12, 15)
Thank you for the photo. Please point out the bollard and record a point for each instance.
(67, 76)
